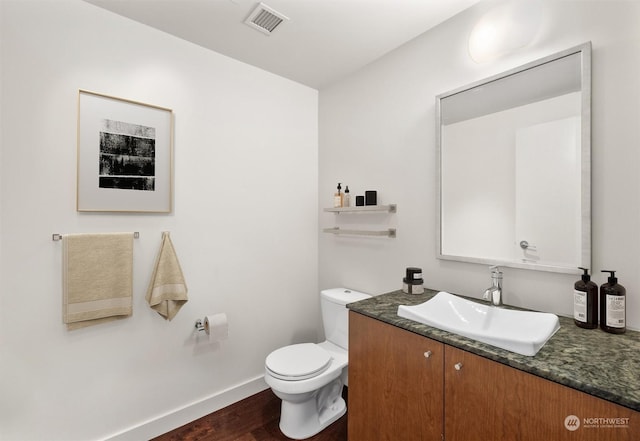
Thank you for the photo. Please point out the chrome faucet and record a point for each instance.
(493, 294)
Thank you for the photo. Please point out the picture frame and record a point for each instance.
(125, 155)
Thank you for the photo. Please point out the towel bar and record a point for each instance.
(57, 236)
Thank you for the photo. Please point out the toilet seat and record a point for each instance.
(298, 362)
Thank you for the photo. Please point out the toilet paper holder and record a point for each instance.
(215, 326)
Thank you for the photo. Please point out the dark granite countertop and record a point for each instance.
(590, 360)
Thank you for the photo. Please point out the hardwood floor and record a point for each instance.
(252, 419)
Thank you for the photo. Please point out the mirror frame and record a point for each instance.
(585, 131)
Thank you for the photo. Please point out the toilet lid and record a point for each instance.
(298, 362)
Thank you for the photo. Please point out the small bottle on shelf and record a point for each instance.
(337, 197)
(346, 199)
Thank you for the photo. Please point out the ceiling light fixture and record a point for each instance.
(504, 29)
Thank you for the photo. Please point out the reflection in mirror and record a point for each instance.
(514, 166)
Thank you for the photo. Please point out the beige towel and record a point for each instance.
(167, 290)
(97, 278)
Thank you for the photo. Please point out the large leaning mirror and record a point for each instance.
(514, 168)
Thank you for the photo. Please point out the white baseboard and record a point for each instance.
(180, 417)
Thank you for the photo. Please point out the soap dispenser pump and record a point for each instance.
(612, 305)
(585, 302)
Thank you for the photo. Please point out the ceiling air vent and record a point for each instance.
(265, 19)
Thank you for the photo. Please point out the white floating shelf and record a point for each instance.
(391, 208)
(391, 232)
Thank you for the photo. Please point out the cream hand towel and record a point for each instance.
(167, 290)
(97, 278)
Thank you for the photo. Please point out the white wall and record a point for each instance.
(377, 130)
(244, 226)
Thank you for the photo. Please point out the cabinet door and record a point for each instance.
(395, 383)
(486, 400)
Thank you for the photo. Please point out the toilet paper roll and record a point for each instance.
(216, 326)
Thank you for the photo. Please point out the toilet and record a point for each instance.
(309, 377)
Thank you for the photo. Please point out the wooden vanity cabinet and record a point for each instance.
(396, 393)
(395, 383)
(486, 400)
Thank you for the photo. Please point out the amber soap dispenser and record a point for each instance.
(337, 197)
(585, 302)
(612, 305)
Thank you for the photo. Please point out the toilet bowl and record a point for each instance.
(310, 402)
(309, 377)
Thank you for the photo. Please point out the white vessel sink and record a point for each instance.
(522, 332)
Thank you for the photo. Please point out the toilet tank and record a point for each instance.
(335, 315)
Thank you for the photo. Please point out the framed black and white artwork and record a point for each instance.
(125, 153)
